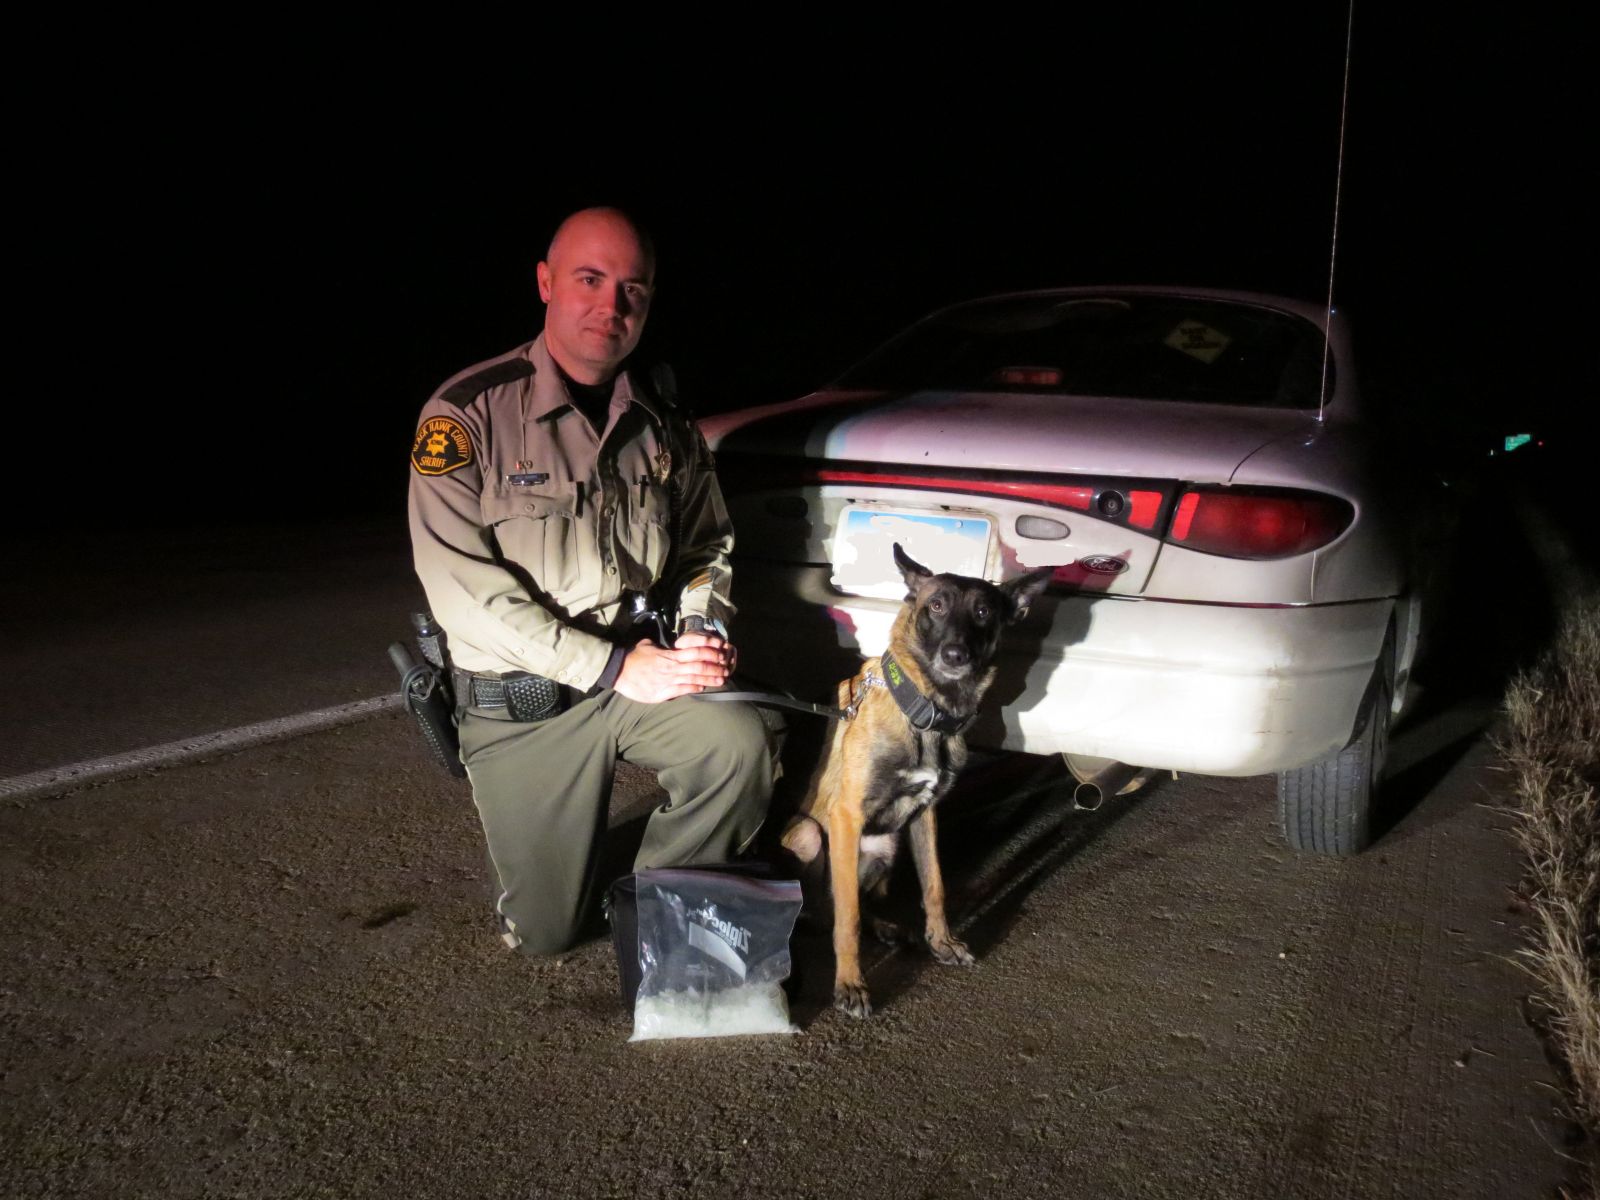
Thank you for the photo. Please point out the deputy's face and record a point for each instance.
(596, 286)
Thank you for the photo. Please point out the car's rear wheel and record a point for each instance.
(1327, 806)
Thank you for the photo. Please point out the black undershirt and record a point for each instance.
(593, 400)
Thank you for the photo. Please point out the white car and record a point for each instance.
(1234, 592)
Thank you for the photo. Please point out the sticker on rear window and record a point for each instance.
(1198, 340)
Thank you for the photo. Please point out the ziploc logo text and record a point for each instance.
(722, 940)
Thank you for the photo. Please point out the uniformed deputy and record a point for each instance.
(545, 488)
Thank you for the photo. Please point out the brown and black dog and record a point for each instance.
(900, 751)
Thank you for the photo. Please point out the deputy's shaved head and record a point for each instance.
(601, 215)
(596, 285)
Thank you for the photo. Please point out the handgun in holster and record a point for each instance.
(426, 689)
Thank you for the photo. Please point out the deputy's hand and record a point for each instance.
(730, 653)
(697, 663)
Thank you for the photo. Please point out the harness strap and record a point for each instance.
(924, 715)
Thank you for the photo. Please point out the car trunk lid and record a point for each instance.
(1008, 431)
(976, 483)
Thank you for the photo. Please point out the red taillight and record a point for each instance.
(1184, 517)
(1144, 508)
(1039, 377)
(1241, 523)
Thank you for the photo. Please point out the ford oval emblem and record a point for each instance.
(1103, 564)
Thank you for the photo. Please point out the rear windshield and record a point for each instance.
(1141, 347)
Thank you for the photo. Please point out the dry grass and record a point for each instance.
(1553, 748)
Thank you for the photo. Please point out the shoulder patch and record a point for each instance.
(442, 446)
(461, 392)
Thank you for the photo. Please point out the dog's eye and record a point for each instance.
(981, 612)
(936, 605)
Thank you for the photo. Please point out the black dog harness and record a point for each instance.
(925, 716)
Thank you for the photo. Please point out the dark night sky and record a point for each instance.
(255, 279)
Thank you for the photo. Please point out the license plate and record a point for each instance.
(863, 547)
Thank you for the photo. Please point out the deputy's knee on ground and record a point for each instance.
(541, 939)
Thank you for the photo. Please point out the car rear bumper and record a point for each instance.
(1216, 689)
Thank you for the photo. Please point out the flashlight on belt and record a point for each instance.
(425, 688)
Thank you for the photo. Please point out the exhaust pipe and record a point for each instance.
(1108, 781)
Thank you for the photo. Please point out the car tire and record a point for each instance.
(1326, 807)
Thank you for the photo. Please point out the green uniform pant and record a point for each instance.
(543, 790)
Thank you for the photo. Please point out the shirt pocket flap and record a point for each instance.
(536, 502)
(654, 503)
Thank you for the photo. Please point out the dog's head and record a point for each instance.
(956, 619)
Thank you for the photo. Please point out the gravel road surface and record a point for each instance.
(119, 642)
(273, 974)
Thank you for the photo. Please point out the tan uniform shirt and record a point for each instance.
(527, 527)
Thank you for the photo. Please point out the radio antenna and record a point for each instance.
(1338, 182)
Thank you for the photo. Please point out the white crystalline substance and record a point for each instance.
(752, 1008)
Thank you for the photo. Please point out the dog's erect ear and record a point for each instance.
(1024, 589)
(913, 572)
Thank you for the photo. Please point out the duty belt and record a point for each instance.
(525, 697)
(534, 698)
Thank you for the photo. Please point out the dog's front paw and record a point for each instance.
(852, 998)
(950, 952)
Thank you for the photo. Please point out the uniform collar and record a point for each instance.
(548, 398)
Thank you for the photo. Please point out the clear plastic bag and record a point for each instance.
(712, 952)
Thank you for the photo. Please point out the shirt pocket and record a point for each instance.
(645, 537)
(536, 529)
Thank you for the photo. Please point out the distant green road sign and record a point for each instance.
(1513, 440)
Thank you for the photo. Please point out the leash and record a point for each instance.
(922, 714)
(776, 700)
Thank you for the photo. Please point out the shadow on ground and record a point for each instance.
(1010, 823)
(1492, 612)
